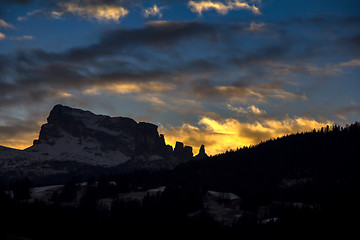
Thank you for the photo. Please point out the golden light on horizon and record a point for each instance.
(21, 143)
(220, 136)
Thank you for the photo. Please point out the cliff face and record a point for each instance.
(104, 140)
(99, 133)
(183, 152)
(111, 134)
(148, 140)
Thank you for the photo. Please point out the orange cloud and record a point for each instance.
(218, 135)
(352, 63)
(221, 135)
(260, 92)
(19, 137)
(251, 109)
(256, 27)
(4, 24)
(220, 7)
(25, 38)
(126, 88)
(153, 12)
(99, 12)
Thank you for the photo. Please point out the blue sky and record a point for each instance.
(224, 73)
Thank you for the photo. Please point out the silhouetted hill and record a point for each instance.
(327, 156)
(302, 186)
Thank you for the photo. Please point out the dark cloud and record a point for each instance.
(16, 128)
(348, 110)
(156, 53)
(54, 3)
(262, 55)
(21, 2)
(39, 68)
(330, 20)
(16, 95)
(51, 74)
(200, 66)
(160, 35)
(245, 93)
(351, 44)
(43, 71)
(155, 34)
(322, 36)
(36, 73)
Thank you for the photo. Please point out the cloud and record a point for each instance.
(220, 7)
(344, 112)
(17, 135)
(350, 45)
(258, 92)
(56, 15)
(18, 132)
(174, 71)
(305, 68)
(103, 12)
(158, 34)
(229, 133)
(2, 36)
(256, 27)
(40, 12)
(21, 2)
(352, 63)
(250, 109)
(30, 14)
(4, 24)
(131, 62)
(24, 38)
(129, 87)
(154, 11)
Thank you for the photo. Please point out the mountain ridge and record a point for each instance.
(80, 136)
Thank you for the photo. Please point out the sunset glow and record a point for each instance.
(224, 73)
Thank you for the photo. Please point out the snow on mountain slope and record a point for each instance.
(70, 148)
(74, 139)
(12, 158)
(77, 135)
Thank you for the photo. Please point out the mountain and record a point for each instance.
(73, 138)
(96, 139)
(301, 186)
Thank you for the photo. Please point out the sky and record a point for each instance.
(223, 73)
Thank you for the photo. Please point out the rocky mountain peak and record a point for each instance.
(202, 154)
(112, 133)
(104, 139)
(181, 151)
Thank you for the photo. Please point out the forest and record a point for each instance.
(303, 185)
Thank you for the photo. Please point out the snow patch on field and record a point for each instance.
(223, 195)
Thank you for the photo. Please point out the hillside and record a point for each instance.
(305, 185)
(332, 155)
